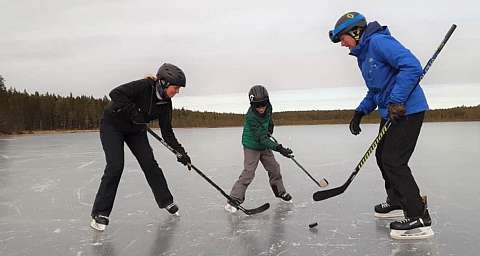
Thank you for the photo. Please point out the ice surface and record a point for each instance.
(48, 183)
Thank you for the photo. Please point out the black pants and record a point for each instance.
(393, 153)
(113, 140)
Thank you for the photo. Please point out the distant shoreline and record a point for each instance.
(37, 114)
(52, 132)
(46, 132)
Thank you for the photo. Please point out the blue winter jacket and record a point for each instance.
(390, 72)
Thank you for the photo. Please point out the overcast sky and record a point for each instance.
(225, 47)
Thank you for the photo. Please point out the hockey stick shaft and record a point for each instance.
(322, 195)
(322, 183)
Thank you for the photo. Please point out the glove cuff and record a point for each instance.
(358, 114)
(180, 150)
(278, 147)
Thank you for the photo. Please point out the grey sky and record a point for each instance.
(89, 47)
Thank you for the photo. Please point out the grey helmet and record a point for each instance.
(258, 96)
(352, 23)
(169, 74)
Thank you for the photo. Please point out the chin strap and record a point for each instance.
(356, 33)
(160, 89)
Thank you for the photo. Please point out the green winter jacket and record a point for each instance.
(256, 130)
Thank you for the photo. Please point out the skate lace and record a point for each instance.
(385, 205)
(405, 220)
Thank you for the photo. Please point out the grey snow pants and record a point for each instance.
(250, 162)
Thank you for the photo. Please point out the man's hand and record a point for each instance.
(355, 123)
(396, 111)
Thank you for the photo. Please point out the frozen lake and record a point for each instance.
(48, 183)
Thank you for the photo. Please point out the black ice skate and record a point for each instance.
(172, 209)
(99, 222)
(413, 228)
(388, 211)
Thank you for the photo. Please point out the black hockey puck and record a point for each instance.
(312, 225)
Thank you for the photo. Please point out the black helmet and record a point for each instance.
(258, 96)
(347, 23)
(169, 74)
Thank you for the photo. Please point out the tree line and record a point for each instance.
(22, 112)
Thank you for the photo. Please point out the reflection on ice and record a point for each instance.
(48, 183)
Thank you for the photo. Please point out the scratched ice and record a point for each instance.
(48, 183)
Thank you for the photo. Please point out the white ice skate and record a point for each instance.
(286, 197)
(230, 208)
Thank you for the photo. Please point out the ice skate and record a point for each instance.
(99, 222)
(388, 211)
(286, 197)
(232, 205)
(413, 228)
(172, 209)
(230, 208)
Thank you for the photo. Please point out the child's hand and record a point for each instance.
(286, 152)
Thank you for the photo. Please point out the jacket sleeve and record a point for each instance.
(260, 134)
(406, 64)
(123, 96)
(270, 127)
(368, 104)
(165, 123)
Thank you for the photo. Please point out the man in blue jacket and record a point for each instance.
(391, 73)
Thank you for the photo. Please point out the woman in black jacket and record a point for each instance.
(125, 120)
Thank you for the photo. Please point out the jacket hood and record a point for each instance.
(371, 29)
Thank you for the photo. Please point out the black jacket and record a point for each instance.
(137, 101)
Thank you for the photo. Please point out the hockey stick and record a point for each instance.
(322, 195)
(259, 209)
(323, 183)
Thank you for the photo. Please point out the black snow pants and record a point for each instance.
(393, 153)
(113, 140)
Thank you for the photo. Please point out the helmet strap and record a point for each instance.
(356, 33)
(164, 83)
(160, 90)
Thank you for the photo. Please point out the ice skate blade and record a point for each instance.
(417, 233)
(97, 226)
(286, 202)
(230, 208)
(391, 215)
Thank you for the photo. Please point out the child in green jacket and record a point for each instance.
(257, 146)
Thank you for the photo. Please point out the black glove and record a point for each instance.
(396, 111)
(286, 152)
(184, 159)
(355, 123)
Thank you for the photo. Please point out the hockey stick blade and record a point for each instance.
(259, 209)
(325, 194)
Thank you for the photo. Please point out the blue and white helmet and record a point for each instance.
(352, 23)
